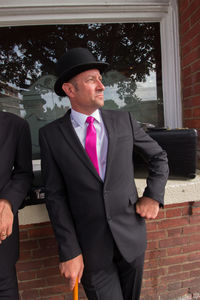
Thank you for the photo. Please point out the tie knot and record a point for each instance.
(90, 120)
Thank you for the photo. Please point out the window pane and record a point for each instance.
(27, 66)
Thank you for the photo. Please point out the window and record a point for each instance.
(26, 89)
(27, 67)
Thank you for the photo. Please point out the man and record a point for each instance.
(15, 179)
(90, 191)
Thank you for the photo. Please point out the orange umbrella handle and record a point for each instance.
(75, 291)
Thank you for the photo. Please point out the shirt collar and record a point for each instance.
(80, 118)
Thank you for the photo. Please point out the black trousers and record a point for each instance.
(8, 285)
(120, 281)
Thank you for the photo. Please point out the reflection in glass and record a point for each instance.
(27, 63)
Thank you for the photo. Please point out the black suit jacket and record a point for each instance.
(15, 177)
(87, 213)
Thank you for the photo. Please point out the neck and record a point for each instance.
(85, 112)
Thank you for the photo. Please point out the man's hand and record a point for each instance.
(6, 219)
(72, 269)
(147, 208)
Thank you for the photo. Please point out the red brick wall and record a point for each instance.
(189, 11)
(172, 265)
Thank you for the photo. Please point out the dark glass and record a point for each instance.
(28, 56)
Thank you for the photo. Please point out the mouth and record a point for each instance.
(100, 95)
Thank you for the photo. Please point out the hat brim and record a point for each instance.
(69, 74)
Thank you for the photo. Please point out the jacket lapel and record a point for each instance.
(110, 124)
(72, 139)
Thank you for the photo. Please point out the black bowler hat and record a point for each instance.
(73, 62)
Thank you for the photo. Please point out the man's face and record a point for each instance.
(88, 91)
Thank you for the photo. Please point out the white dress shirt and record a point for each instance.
(80, 126)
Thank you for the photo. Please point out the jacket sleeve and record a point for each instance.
(56, 203)
(19, 184)
(157, 161)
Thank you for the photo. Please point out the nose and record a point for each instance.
(100, 85)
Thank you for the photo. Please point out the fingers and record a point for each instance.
(3, 235)
(80, 274)
(147, 208)
(6, 219)
(72, 270)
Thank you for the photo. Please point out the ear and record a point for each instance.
(68, 88)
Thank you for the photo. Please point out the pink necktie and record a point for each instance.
(90, 142)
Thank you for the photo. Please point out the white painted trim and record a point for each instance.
(41, 12)
(171, 68)
(177, 191)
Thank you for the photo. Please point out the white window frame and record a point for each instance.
(41, 12)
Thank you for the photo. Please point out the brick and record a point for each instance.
(192, 79)
(150, 264)
(195, 17)
(51, 261)
(185, 211)
(195, 274)
(193, 101)
(31, 265)
(176, 277)
(191, 266)
(157, 235)
(189, 12)
(152, 245)
(194, 219)
(191, 90)
(177, 205)
(189, 35)
(151, 226)
(191, 247)
(196, 204)
(56, 280)
(161, 214)
(174, 286)
(176, 295)
(46, 243)
(174, 251)
(26, 275)
(183, 4)
(172, 213)
(49, 291)
(23, 235)
(154, 273)
(191, 282)
(191, 57)
(171, 242)
(184, 28)
(25, 255)
(41, 232)
(155, 254)
(173, 223)
(61, 297)
(42, 253)
(47, 272)
(30, 284)
(28, 245)
(191, 229)
(30, 294)
(174, 269)
(174, 232)
(194, 256)
(193, 238)
(172, 260)
(192, 123)
(187, 113)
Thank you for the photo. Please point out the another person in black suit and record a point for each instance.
(15, 179)
(91, 196)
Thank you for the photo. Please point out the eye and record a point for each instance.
(90, 79)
